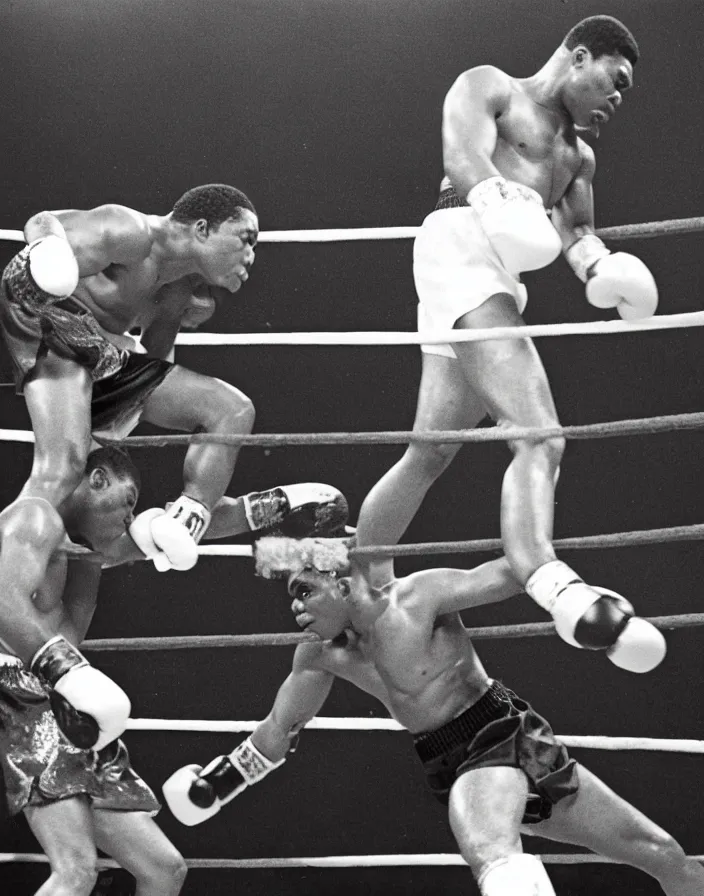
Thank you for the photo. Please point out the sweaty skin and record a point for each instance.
(423, 669)
(526, 131)
(494, 124)
(404, 643)
(140, 264)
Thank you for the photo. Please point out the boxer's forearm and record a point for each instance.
(228, 519)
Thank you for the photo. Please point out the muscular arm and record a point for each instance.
(573, 216)
(26, 528)
(160, 336)
(99, 237)
(469, 132)
(79, 599)
(299, 699)
(451, 590)
(184, 305)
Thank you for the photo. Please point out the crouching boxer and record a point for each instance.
(68, 302)
(487, 754)
(54, 706)
(77, 801)
(517, 191)
(586, 617)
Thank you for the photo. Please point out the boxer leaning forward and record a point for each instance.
(67, 301)
(487, 754)
(77, 800)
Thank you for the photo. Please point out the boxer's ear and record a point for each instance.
(580, 55)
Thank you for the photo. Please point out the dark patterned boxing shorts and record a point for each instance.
(33, 323)
(500, 729)
(40, 766)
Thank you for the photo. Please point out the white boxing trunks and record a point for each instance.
(456, 270)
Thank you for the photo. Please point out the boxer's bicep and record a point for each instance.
(469, 126)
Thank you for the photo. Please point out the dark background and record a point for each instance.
(327, 113)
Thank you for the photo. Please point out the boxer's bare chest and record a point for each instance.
(121, 296)
(534, 150)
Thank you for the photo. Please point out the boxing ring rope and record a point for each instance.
(647, 230)
(440, 337)
(348, 723)
(288, 639)
(611, 429)
(374, 861)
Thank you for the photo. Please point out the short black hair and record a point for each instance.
(117, 459)
(603, 36)
(214, 202)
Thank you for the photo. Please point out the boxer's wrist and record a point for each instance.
(251, 763)
(497, 190)
(584, 253)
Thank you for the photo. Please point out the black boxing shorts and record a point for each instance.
(500, 729)
(40, 766)
(32, 323)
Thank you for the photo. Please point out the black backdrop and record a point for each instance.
(327, 113)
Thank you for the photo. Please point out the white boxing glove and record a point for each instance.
(53, 266)
(613, 280)
(515, 221)
(596, 618)
(174, 539)
(195, 794)
(140, 532)
(90, 709)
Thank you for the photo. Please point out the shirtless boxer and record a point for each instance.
(67, 300)
(76, 799)
(487, 754)
(511, 150)
(80, 374)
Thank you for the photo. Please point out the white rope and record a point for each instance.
(440, 337)
(331, 723)
(376, 861)
(349, 234)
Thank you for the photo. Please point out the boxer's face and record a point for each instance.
(226, 253)
(108, 507)
(319, 602)
(595, 88)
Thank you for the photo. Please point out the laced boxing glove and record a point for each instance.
(53, 266)
(299, 510)
(191, 515)
(515, 221)
(170, 537)
(613, 280)
(89, 707)
(194, 794)
(596, 618)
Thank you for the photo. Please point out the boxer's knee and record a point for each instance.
(548, 453)
(57, 474)
(226, 409)
(658, 852)
(165, 873)
(429, 460)
(75, 871)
